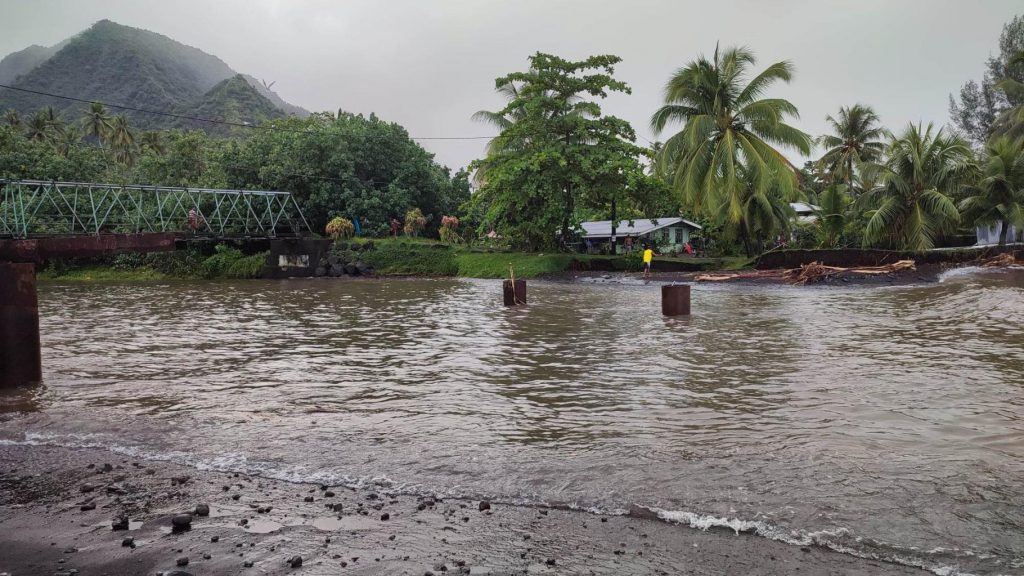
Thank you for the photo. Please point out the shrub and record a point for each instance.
(449, 231)
(339, 228)
(228, 262)
(415, 221)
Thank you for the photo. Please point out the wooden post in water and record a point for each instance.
(20, 360)
(675, 300)
(514, 292)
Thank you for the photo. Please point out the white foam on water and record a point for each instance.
(831, 539)
(954, 273)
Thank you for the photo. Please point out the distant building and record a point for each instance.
(805, 212)
(989, 235)
(667, 234)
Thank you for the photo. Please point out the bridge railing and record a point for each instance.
(41, 208)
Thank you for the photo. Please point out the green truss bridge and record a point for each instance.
(42, 220)
(36, 208)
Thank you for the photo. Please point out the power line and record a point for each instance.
(213, 121)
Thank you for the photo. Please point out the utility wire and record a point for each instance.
(212, 121)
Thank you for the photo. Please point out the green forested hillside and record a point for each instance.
(128, 66)
(17, 63)
(232, 100)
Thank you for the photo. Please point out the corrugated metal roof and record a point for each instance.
(603, 228)
(803, 208)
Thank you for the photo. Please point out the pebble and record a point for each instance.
(119, 524)
(183, 561)
(329, 494)
(206, 556)
(247, 564)
(385, 516)
(308, 498)
(550, 562)
(87, 488)
(128, 542)
(87, 506)
(202, 509)
(214, 538)
(295, 562)
(484, 505)
(236, 496)
(181, 522)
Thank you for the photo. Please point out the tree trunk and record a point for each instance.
(849, 176)
(1002, 233)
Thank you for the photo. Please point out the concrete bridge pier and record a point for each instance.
(20, 359)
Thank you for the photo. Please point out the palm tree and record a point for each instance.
(856, 138)
(153, 141)
(122, 140)
(911, 206)
(766, 214)
(96, 122)
(12, 119)
(68, 140)
(54, 122)
(727, 124)
(38, 128)
(999, 196)
(832, 214)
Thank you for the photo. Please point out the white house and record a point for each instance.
(667, 234)
(989, 235)
(805, 212)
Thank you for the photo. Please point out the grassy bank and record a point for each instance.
(387, 257)
(425, 258)
(224, 262)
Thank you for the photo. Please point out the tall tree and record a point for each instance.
(96, 122)
(67, 141)
(913, 203)
(856, 137)
(981, 104)
(38, 127)
(728, 129)
(1011, 121)
(153, 141)
(122, 140)
(54, 122)
(557, 155)
(12, 118)
(999, 196)
(832, 214)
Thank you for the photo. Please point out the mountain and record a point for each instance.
(233, 100)
(123, 65)
(17, 63)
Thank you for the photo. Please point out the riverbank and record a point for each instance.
(57, 507)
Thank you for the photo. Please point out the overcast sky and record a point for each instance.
(430, 64)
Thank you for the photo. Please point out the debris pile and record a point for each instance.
(809, 273)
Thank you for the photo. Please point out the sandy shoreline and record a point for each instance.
(57, 506)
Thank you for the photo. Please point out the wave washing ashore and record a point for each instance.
(838, 431)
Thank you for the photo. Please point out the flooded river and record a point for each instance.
(884, 422)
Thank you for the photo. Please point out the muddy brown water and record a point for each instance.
(884, 422)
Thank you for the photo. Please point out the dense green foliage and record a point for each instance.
(980, 106)
(914, 203)
(228, 262)
(558, 158)
(999, 196)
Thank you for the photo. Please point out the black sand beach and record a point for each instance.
(57, 507)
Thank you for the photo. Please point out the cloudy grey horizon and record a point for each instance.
(430, 65)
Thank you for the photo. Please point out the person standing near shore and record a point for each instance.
(648, 258)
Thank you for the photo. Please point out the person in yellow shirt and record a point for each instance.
(648, 257)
